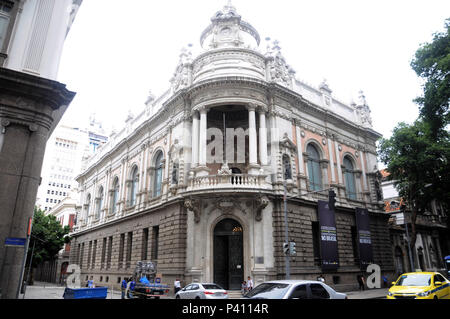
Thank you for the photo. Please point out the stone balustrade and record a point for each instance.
(232, 181)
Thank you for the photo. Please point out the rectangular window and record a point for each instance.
(129, 249)
(89, 255)
(355, 245)
(121, 249)
(144, 244)
(155, 239)
(5, 17)
(81, 256)
(109, 254)
(94, 253)
(103, 253)
(316, 242)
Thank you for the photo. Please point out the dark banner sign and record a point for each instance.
(328, 237)
(364, 238)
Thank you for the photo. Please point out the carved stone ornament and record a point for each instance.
(261, 203)
(224, 170)
(194, 206)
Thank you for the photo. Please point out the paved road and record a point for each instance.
(50, 291)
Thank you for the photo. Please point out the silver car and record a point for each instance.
(202, 291)
(294, 289)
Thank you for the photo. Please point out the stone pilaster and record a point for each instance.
(30, 107)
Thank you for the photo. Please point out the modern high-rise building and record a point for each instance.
(66, 149)
(32, 102)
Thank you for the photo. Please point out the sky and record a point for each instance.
(117, 51)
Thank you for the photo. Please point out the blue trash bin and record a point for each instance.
(86, 293)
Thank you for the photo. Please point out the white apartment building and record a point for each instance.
(65, 151)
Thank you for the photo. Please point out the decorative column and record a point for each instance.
(262, 137)
(202, 169)
(195, 139)
(252, 138)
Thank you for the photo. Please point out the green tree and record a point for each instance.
(47, 237)
(419, 166)
(432, 64)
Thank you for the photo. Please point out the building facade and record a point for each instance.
(32, 102)
(66, 148)
(196, 181)
(432, 243)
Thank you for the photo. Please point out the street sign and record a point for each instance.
(15, 242)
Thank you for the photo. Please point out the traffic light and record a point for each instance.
(292, 250)
(286, 248)
(331, 199)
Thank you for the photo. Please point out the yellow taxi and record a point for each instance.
(420, 285)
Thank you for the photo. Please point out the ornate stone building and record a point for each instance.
(196, 181)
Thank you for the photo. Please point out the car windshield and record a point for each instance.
(269, 291)
(414, 280)
(211, 286)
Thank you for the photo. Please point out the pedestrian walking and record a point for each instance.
(124, 287)
(176, 286)
(361, 282)
(249, 284)
(131, 288)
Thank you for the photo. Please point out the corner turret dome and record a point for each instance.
(229, 30)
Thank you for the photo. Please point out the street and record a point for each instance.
(41, 290)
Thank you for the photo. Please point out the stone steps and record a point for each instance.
(234, 294)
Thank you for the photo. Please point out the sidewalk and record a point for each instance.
(368, 294)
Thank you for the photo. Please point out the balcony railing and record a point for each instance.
(229, 181)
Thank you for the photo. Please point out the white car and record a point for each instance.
(202, 291)
(294, 289)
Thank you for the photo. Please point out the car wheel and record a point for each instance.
(197, 297)
(435, 297)
(177, 297)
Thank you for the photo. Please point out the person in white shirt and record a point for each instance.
(249, 283)
(177, 285)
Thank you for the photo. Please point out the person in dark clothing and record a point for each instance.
(361, 282)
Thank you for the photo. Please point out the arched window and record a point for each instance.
(134, 186)
(99, 207)
(314, 172)
(157, 183)
(287, 170)
(349, 176)
(115, 196)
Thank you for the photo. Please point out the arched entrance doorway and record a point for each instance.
(228, 254)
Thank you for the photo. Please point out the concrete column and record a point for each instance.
(262, 138)
(301, 164)
(338, 162)
(253, 148)
(363, 168)
(195, 139)
(333, 174)
(202, 138)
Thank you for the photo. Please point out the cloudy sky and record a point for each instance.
(117, 50)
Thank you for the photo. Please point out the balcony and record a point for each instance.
(241, 182)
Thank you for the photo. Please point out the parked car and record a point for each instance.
(202, 291)
(420, 285)
(294, 289)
